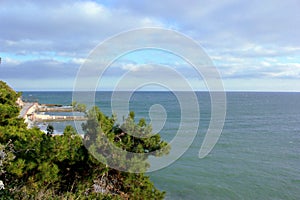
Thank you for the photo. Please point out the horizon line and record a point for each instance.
(270, 91)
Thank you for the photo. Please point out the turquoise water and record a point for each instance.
(256, 157)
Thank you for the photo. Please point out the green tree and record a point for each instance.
(9, 109)
(50, 130)
(35, 166)
(101, 131)
(79, 107)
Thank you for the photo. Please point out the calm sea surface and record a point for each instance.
(256, 157)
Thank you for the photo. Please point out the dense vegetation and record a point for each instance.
(34, 165)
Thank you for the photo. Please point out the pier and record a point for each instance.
(44, 108)
(56, 118)
(32, 112)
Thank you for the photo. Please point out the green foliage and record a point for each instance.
(9, 110)
(36, 166)
(78, 107)
(131, 115)
(50, 129)
(7, 94)
(113, 145)
(69, 131)
(97, 123)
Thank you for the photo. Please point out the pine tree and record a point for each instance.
(36, 166)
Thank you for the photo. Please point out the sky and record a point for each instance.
(254, 45)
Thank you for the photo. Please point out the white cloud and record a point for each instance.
(137, 67)
(91, 9)
(265, 64)
(257, 39)
(10, 61)
(78, 61)
(66, 26)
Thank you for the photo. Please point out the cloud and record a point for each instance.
(65, 26)
(246, 40)
(255, 21)
(137, 67)
(37, 69)
(78, 61)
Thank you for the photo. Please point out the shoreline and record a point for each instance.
(31, 112)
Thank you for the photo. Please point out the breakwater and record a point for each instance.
(56, 118)
(33, 112)
(45, 108)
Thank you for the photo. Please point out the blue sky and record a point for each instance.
(255, 45)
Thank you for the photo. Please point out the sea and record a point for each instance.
(256, 157)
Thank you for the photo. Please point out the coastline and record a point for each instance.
(33, 112)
